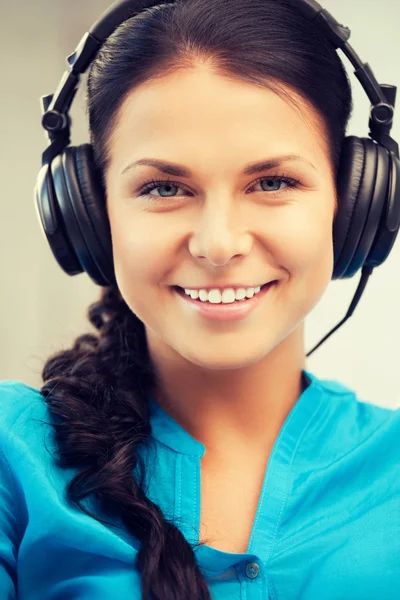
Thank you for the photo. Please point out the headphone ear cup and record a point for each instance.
(368, 217)
(70, 182)
(362, 192)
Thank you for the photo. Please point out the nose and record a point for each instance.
(219, 236)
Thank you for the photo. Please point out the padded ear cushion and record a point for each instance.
(88, 201)
(351, 166)
(358, 193)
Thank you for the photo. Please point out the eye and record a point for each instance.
(169, 185)
(290, 182)
(157, 184)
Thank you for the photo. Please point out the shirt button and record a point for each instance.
(252, 570)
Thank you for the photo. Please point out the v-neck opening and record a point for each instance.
(274, 492)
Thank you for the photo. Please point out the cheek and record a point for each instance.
(305, 242)
(306, 253)
(139, 251)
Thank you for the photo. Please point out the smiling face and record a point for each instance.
(217, 224)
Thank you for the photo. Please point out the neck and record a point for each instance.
(242, 408)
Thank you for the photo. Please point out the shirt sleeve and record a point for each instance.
(9, 535)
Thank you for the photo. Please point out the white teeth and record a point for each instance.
(227, 296)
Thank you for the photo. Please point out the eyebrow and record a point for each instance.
(180, 171)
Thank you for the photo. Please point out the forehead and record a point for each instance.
(196, 110)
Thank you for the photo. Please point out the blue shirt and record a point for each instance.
(327, 525)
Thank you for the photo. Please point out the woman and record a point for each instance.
(183, 451)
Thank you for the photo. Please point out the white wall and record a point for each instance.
(43, 310)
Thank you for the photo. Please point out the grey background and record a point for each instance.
(42, 309)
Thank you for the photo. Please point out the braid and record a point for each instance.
(96, 391)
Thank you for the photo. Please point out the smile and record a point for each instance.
(232, 311)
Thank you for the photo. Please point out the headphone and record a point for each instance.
(69, 197)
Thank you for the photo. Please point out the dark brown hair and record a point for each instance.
(96, 391)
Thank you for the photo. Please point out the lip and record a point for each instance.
(235, 286)
(224, 312)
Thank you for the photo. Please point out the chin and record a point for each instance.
(222, 357)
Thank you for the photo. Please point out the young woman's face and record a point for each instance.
(217, 225)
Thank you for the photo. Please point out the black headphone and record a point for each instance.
(69, 197)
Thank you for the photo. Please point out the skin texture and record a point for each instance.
(230, 385)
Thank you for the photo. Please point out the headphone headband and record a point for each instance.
(55, 107)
